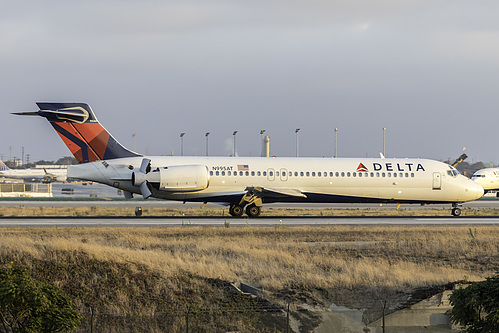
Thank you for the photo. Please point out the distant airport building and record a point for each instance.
(17, 190)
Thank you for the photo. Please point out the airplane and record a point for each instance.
(29, 174)
(488, 178)
(246, 183)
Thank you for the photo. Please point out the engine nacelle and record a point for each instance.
(184, 178)
(181, 178)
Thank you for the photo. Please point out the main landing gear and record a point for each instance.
(252, 200)
(456, 209)
(251, 210)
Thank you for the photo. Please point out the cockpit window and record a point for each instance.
(452, 172)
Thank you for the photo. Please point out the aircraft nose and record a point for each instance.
(474, 190)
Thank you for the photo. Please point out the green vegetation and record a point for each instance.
(28, 305)
(476, 307)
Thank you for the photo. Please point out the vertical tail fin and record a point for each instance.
(82, 133)
(3, 166)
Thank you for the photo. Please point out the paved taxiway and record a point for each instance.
(109, 197)
(241, 222)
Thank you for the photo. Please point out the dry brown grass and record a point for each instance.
(277, 258)
(142, 271)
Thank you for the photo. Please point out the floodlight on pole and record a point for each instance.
(206, 135)
(234, 134)
(182, 144)
(296, 131)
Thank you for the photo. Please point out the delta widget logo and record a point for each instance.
(362, 168)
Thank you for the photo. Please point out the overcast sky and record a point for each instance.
(428, 71)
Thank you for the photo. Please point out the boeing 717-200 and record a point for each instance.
(246, 183)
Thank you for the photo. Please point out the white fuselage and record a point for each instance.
(488, 178)
(52, 174)
(296, 179)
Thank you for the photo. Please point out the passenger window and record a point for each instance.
(319, 174)
(240, 173)
(406, 175)
(342, 174)
(271, 173)
(348, 174)
(211, 173)
(301, 173)
(296, 173)
(330, 174)
(265, 173)
(372, 174)
(277, 173)
(247, 173)
(383, 175)
(313, 174)
(389, 174)
(308, 174)
(217, 173)
(355, 174)
(395, 174)
(223, 173)
(338, 174)
(258, 173)
(412, 174)
(401, 175)
(360, 174)
(228, 173)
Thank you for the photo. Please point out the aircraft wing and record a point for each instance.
(291, 192)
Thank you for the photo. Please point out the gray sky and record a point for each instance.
(428, 71)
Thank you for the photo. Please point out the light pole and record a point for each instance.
(182, 144)
(384, 130)
(234, 134)
(335, 142)
(206, 135)
(296, 131)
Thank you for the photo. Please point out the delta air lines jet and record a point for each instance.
(246, 183)
(488, 178)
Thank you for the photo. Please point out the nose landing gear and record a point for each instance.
(456, 209)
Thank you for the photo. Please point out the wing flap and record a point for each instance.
(292, 192)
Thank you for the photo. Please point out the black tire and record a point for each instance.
(236, 210)
(456, 211)
(253, 211)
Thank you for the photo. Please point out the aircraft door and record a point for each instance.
(284, 175)
(271, 174)
(437, 181)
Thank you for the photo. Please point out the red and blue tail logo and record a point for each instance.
(82, 133)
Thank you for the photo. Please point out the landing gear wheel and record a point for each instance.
(456, 211)
(236, 210)
(253, 211)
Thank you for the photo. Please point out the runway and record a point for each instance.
(241, 222)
